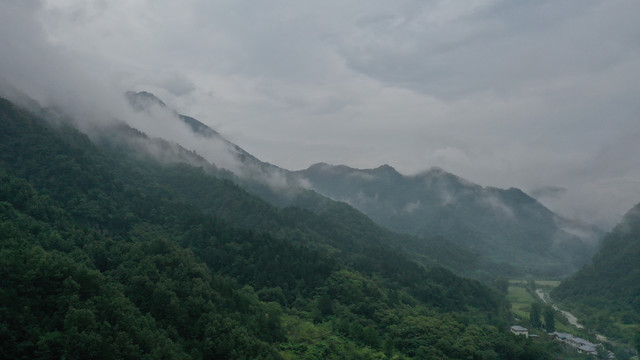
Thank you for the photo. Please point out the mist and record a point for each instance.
(58, 78)
(502, 93)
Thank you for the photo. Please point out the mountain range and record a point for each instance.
(496, 230)
(150, 249)
(506, 226)
(606, 292)
(133, 247)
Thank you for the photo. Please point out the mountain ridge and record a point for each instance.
(435, 202)
(606, 292)
(499, 224)
(104, 257)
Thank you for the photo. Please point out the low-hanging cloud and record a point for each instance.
(56, 77)
(503, 93)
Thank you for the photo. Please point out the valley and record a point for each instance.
(523, 294)
(572, 319)
(108, 254)
(118, 217)
(330, 180)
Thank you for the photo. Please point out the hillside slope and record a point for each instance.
(279, 187)
(507, 226)
(494, 231)
(606, 293)
(102, 259)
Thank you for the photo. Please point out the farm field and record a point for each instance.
(520, 299)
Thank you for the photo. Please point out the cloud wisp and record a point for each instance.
(501, 92)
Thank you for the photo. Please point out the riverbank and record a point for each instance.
(572, 319)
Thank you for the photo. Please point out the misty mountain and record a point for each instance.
(261, 178)
(507, 226)
(283, 188)
(280, 187)
(498, 231)
(143, 101)
(606, 292)
(109, 255)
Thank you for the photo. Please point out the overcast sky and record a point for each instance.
(540, 95)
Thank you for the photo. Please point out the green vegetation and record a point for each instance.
(107, 255)
(501, 232)
(606, 294)
(524, 300)
(520, 300)
(549, 318)
(547, 284)
(534, 315)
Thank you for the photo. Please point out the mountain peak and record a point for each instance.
(320, 166)
(630, 222)
(385, 168)
(142, 100)
(434, 172)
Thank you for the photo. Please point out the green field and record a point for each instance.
(520, 299)
(547, 283)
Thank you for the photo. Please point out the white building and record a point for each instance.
(519, 330)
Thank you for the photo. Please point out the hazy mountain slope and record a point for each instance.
(606, 293)
(504, 231)
(507, 226)
(63, 163)
(144, 101)
(216, 191)
(258, 178)
(261, 178)
(100, 259)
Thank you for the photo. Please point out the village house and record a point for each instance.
(587, 349)
(519, 330)
(583, 346)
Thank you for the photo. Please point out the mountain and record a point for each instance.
(261, 178)
(493, 231)
(279, 187)
(507, 226)
(606, 293)
(145, 101)
(110, 254)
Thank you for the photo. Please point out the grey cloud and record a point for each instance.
(548, 191)
(504, 93)
(499, 47)
(175, 83)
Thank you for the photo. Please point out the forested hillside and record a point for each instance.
(507, 226)
(606, 293)
(112, 257)
(475, 231)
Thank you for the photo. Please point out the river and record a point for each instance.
(572, 319)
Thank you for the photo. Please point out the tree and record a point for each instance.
(549, 318)
(601, 352)
(387, 346)
(534, 315)
(325, 304)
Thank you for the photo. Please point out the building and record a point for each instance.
(519, 330)
(583, 346)
(587, 349)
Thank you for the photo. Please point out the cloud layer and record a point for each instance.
(504, 93)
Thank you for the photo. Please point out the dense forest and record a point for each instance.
(106, 255)
(606, 293)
